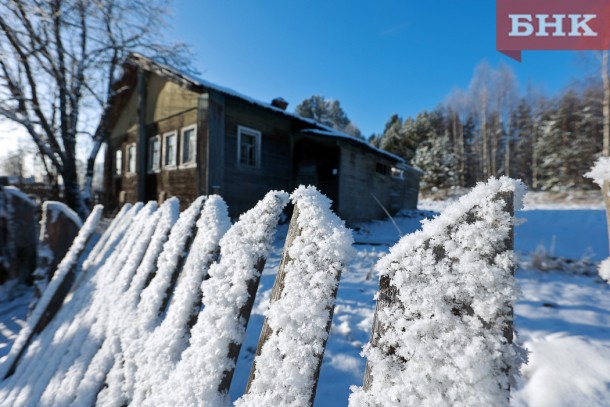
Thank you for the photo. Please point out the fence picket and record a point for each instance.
(119, 380)
(163, 347)
(203, 374)
(297, 323)
(453, 284)
(98, 361)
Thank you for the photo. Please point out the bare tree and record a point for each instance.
(508, 95)
(458, 110)
(13, 165)
(58, 59)
(606, 145)
(480, 91)
(606, 104)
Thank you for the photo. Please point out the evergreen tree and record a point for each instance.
(434, 154)
(392, 139)
(523, 137)
(327, 112)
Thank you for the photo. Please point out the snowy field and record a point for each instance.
(562, 318)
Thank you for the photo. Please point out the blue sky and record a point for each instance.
(377, 57)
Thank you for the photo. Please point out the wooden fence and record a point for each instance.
(160, 305)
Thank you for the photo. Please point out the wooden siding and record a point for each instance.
(164, 99)
(169, 108)
(243, 186)
(213, 107)
(359, 179)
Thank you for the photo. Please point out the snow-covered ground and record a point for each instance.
(562, 318)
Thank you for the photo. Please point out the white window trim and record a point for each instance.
(118, 172)
(149, 167)
(188, 164)
(257, 135)
(397, 173)
(128, 172)
(166, 136)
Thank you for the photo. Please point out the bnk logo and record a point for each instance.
(525, 25)
(551, 25)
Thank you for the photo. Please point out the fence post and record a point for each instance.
(445, 245)
(317, 249)
(387, 292)
(59, 226)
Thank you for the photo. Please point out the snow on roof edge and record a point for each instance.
(335, 133)
(324, 130)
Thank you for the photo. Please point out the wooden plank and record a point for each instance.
(276, 291)
(54, 295)
(244, 314)
(388, 293)
(228, 297)
(317, 249)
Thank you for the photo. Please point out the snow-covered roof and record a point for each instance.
(335, 133)
(193, 80)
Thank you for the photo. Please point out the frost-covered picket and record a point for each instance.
(45, 353)
(443, 327)
(289, 354)
(204, 372)
(164, 346)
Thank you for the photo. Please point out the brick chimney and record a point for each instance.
(280, 103)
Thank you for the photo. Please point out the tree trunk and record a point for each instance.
(88, 182)
(72, 190)
(606, 148)
(484, 139)
(462, 154)
(606, 104)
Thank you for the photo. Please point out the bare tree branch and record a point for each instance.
(58, 62)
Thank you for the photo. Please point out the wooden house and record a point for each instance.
(173, 135)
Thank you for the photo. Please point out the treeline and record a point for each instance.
(492, 129)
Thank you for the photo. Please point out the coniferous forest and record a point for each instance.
(492, 128)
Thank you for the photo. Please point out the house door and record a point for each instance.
(317, 164)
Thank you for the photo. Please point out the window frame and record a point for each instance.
(193, 162)
(150, 168)
(397, 173)
(130, 154)
(257, 146)
(382, 169)
(118, 169)
(166, 137)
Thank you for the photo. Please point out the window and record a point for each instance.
(189, 145)
(170, 142)
(398, 173)
(382, 169)
(118, 161)
(154, 154)
(249, 147)
(131, 158)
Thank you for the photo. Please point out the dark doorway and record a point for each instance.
(317, 164)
